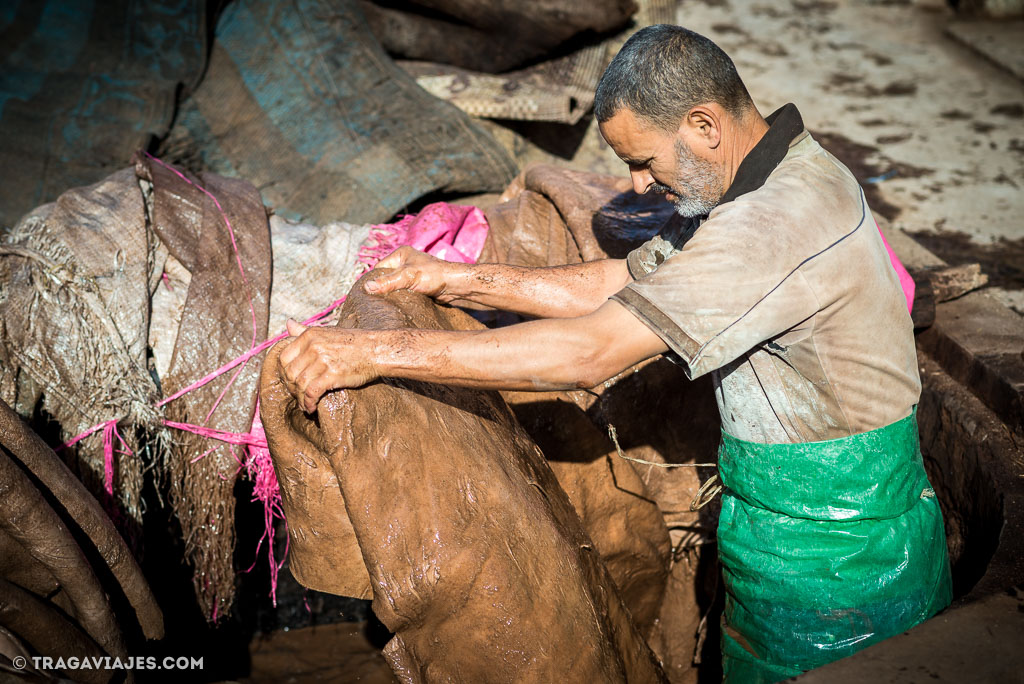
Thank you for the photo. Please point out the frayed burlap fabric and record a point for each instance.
(225, 314)
(75, 277)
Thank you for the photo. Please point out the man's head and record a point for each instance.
(674, 109)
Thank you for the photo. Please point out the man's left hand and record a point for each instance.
(318, 360)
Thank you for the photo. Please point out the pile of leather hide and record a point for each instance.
(68, 582)
(505, 531)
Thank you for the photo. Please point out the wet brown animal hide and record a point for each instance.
(551, 216)
(476, 559)
(613, 504)
(46, 630)
(28, 519)
(659, 417)
(63, 565)
(416, 36)
(29, 450)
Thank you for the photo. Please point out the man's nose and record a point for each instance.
(642, 180)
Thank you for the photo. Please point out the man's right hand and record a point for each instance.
(548, 292)
(416, 271)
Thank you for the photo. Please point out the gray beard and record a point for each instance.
(697, 186)
(693, 206)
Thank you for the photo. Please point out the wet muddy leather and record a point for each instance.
(551, 216)
(475, 556)
(515, 30)
(35, 456)
(26, 517)
(616, 510)
(47, 631)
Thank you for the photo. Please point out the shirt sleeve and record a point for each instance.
(668, 242)
(723, 294)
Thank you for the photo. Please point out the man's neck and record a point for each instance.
(747, 134)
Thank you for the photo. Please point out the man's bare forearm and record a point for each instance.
(553, 292)
(549, 354)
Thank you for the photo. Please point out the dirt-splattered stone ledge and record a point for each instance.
(975, 339)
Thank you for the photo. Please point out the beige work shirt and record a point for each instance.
(786, 295)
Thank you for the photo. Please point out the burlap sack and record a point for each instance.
(225, 313)
(86, 84)
(300, 100)
(559, 90)
(75, 277)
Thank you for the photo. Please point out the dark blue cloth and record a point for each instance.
(83, 83)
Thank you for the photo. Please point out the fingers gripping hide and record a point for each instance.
(291, 354)
(322, 359)
(402, 279)
(396, 258)
(295, 328)
(311, 385)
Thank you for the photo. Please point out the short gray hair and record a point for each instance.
(663, 71)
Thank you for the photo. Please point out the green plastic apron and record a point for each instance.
(826, 548)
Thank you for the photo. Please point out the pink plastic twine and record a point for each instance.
(255, 442)
(109, 432)
(449, 232)
(241, 270)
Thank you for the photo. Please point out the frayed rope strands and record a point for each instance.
(708, 491)
(258, 464)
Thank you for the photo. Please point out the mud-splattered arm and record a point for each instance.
(549, 354)
(551, 292)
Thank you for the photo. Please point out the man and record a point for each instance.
(776, 282)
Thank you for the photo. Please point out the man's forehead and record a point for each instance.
(629, 135)
(625, 118)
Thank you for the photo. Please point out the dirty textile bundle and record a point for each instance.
(436, 500)
(85, 84)
(301, 101)
(75, 307)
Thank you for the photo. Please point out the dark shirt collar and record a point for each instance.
(784, 124)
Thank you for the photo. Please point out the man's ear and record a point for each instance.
(703, 125)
